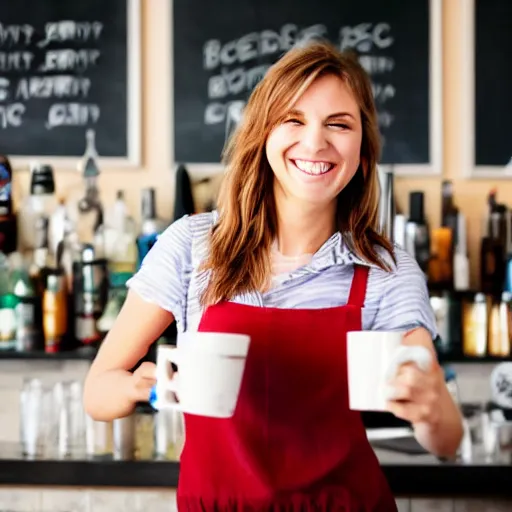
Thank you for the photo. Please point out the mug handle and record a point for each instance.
(419, 355)
(172, 385)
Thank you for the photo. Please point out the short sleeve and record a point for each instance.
(162, 277)
(405, 302)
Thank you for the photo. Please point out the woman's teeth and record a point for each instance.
(313, 168)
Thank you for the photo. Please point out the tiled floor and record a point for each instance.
(86, 500)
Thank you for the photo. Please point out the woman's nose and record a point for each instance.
(314, 137)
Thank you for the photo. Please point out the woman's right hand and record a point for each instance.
(142, 380)
(110, 389)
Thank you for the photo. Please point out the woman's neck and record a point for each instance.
(302, 230)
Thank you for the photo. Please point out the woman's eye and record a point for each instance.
(293, 121)
(340, 125)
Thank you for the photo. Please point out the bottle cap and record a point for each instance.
(42, 181)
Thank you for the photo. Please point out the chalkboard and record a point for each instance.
(220, 54)
(65, 67)
(493, 79)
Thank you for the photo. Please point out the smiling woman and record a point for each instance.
(314, 106)
(294, 260)
(315, 151)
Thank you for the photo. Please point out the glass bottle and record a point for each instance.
(55, 310)
(151, 225)
(84, 208)
(41, 201)
(7, 307)
(28, 307)
(8, 224)
(119, 237)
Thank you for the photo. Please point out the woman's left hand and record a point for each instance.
(417, 393)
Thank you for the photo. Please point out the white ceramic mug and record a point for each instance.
(373, 359)
(210, 371)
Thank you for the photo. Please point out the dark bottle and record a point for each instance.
(8, 227)
(151, 225)
(493, 248)
(90, 294)
(417, 237)
(492, 262)
(449, 212)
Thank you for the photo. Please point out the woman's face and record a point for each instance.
(315, 151)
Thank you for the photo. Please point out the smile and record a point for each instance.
(313, 168)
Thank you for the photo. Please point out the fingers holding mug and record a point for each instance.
(415, 394)
(423, 409)
(143, 379)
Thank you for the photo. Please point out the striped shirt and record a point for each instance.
(396, 300)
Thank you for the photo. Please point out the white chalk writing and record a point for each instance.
(374, 64)
(14, 35)
(15, 61)
(235, 81)
(4, 88)
(385, 119)
(11, 114)
(235, 67)
(66, 60)
(58, 86)
(365, 36)
(62, 31)
(383, 92)
(72, 114)
(220, 112)
(258, 44)
(50, 63)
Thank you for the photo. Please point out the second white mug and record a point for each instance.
(373, 359)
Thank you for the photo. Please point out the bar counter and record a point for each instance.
(408, 475)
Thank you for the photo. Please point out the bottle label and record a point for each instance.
(85, 329)
(5, 190)
(90, 285)
(26, 328)
(7, 327)
(25, 315)
(5, 181)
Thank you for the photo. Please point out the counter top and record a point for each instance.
(408, 475)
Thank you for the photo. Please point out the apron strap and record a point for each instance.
(358, 287)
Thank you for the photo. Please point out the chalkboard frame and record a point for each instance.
(468, 134)
(433, 168)
(436, 133)
(134, 107)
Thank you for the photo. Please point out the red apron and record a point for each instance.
(293, 444)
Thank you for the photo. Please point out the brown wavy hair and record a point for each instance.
(239, 255)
